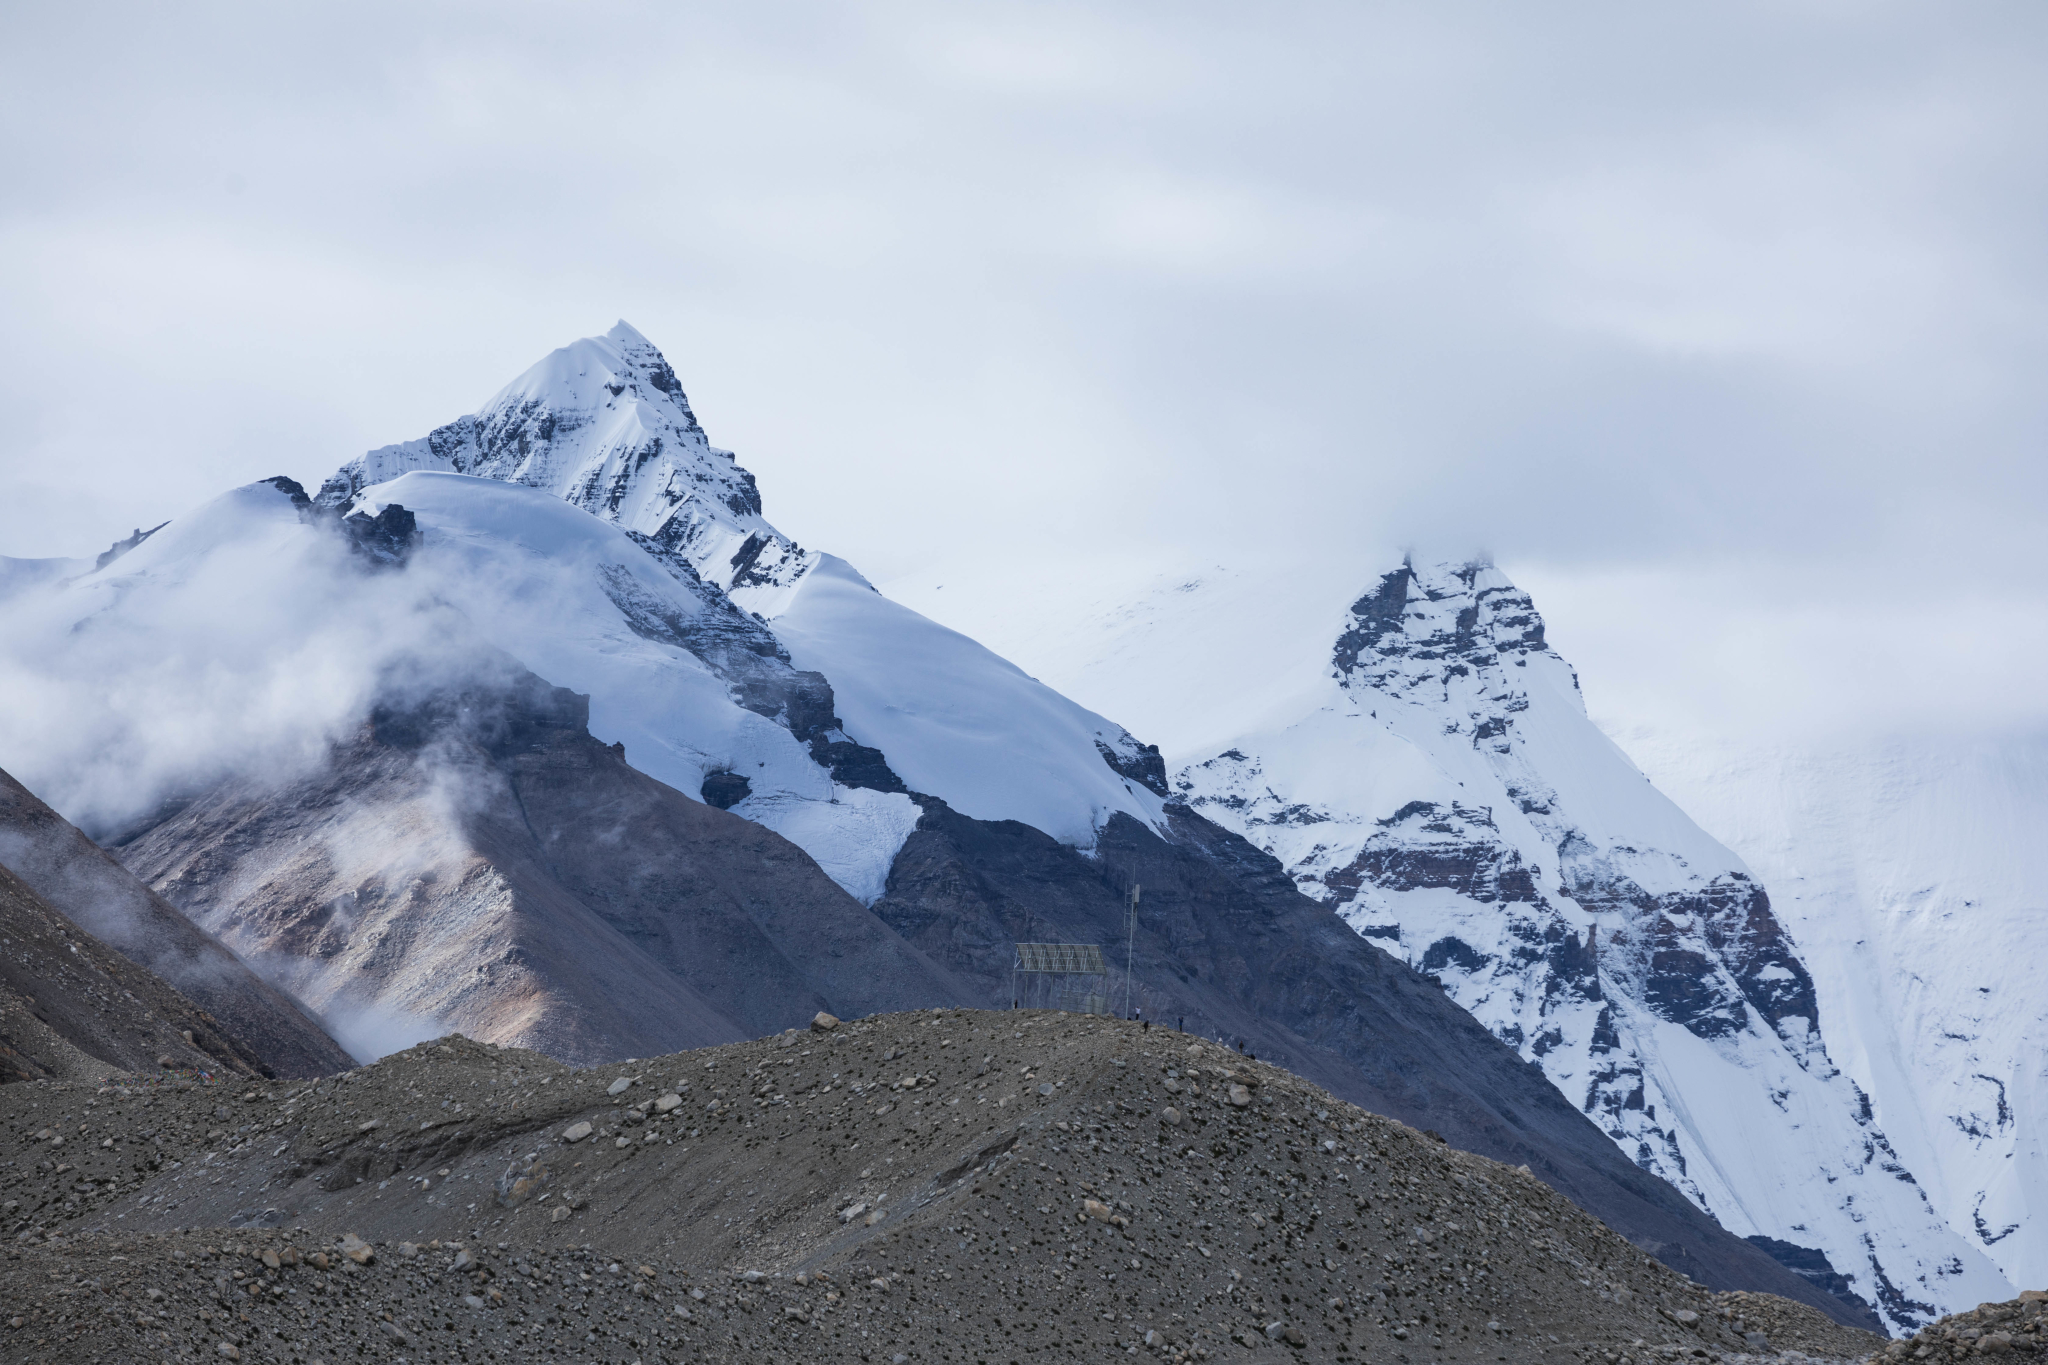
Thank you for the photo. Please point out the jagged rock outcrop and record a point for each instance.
(605, 425)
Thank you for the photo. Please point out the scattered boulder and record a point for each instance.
(576, 1132)
(822, 1022)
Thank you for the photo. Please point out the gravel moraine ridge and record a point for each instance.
(936, 1186)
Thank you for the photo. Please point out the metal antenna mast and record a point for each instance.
(1130, 946)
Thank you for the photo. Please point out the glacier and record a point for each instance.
(1903, 864)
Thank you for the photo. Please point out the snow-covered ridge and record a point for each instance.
(962, 723)
(603, 423)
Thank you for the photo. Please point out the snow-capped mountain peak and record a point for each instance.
(1431, 774)
(604, 424)
(1462, 614)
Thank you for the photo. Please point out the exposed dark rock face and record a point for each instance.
(753, 663)
(122, 547)
(1497, 622)
(725, 789)
(291, 488)
(244, 1016)
(383, 541)
(1424, 845)
(386, 539)
(1811, 1265)
(1227, 943)
(1142, 765)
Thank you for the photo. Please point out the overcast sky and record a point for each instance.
(1721, 326)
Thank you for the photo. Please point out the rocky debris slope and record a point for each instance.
(1446, 793)
(944, 1185)
(70, 1007)
(246, 1021)
(2012, 1330)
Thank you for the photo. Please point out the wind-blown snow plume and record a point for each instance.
(238, 639)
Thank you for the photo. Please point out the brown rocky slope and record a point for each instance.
(943, 1185)
(73, 876)
(72, 1008)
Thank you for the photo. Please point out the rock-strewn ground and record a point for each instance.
(1998, 1331)
(943, 1186)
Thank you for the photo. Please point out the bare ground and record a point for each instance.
(936, 1186)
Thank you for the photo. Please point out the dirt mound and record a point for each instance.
(955, 1186)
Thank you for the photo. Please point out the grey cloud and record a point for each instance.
(1602, 289)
